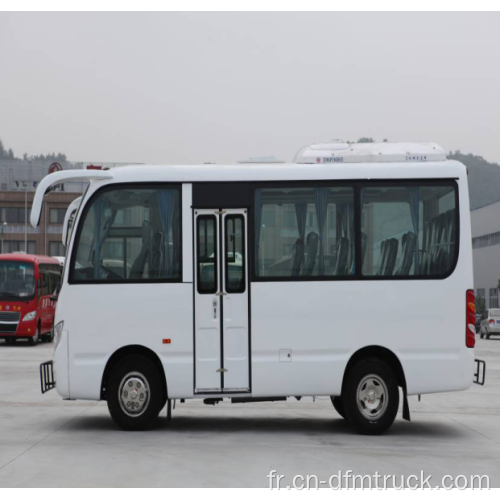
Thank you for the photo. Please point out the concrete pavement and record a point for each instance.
(45, 441)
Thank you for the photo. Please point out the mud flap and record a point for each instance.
(406, 407)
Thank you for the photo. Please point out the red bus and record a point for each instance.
(28, 284)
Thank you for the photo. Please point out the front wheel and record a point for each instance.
(135, 393)
(371, 396)
(34, 340)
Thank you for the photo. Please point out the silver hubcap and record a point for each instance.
(372, 397)
(134, 394)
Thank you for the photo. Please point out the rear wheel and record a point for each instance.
(135, 393)
(371, 396)
(48, 337)
(34, 340)
(338, 405)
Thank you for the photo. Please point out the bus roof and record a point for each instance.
(26, 257)
(248, 172)
(328, 161)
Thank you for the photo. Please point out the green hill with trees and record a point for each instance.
(9, 155)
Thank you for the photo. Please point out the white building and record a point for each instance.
(486, 252)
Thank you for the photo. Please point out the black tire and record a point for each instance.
(138, 370)
(48, 337)
(338, 404)
(373, 376)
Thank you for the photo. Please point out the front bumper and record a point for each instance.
(24, 329)
(47, 380)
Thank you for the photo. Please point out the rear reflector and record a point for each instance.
(470, 318)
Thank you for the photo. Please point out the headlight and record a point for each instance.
(58, 332)
(30, 316)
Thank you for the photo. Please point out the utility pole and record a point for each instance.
(26, 219)
(2, 228)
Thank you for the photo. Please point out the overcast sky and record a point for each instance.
(186, 88)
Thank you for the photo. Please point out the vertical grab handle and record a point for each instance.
(214, 304)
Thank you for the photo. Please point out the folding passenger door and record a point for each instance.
(221, 301)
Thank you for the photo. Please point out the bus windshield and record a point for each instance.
(17, 280)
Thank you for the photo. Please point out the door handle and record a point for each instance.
(214, 304)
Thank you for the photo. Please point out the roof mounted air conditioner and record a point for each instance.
(371, 152)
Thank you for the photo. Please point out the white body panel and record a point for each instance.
(302, 333)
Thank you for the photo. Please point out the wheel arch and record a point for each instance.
(127, 351)
(376, 351)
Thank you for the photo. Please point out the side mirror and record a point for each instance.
(53, 298)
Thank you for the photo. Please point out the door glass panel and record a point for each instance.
(206, 254)
(235, 254)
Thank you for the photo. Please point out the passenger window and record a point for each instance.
(235, 253)
(304, 232)
(130, 234)
(408, 230)
(206, 237)
(45, 283)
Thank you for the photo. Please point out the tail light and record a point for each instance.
(491, 321)
(470, 318)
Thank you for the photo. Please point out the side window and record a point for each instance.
(206, 237)
(45, 281)
(130, 233)
(408, 230)
(304, 232)
(235, 253)
(493, 298)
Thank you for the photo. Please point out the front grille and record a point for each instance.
(9, 316)
(8, 327)
(9, 321)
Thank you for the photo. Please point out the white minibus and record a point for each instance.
(347, 273)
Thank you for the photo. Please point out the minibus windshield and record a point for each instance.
(17, 280)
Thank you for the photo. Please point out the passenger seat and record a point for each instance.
(297, 257)
(312, 244)
(137, 269)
